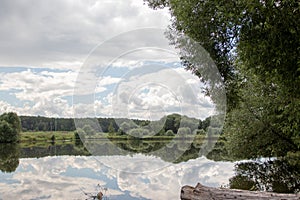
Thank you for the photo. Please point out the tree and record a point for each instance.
(13, 119)
(199, 132)
(183, 132)
(139, 132)
(172, 122)
(269, 62)
(191, 123)
(256, 48)
(88, 130)
(52, 139)
(206, 123)
(127, 125)
(111, 128)
(6, 132)
(169, 133)
(261, 125)
(215, 26)
(79, 136)
(10, 127)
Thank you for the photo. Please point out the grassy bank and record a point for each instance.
(50, 136)
(47, 136)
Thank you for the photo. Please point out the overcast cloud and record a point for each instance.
(46, 48)
(58, 34)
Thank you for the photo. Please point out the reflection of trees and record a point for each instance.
(46, 149)
(139, 146)
(176, 151)
(9, 157)
(272, 175)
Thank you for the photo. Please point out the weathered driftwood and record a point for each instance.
(201, 192)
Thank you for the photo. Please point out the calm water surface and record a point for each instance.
(45, 171)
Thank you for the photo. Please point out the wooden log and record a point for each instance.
(201, 192)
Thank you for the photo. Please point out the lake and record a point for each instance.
(128, 170)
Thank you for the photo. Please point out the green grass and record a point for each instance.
(46, 136)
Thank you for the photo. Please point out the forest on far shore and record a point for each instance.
(108, 125)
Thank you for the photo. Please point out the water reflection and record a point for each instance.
(66, 177)
(174, 151)
(67, 171)
(9, 157)
(269, 175)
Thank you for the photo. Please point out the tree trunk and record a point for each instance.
(201, 192)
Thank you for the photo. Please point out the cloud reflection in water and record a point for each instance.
(66, 177)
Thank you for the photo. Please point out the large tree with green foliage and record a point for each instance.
(255, 45)
(10, 127)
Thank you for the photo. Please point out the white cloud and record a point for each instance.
(44, 93)
(6, 107)
(161, 91)
(40, 93)
(149, 95)
(64, 177)
(107, 80)
(141, 56)
(34, 86)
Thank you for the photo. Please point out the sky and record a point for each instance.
(86, 58)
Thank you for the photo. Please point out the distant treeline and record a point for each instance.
(33, 123)
(171, 122)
